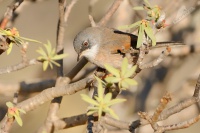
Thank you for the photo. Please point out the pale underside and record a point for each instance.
(102, 57)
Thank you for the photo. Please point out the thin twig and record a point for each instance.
(23, 52)
(9, 13)
(68, 9)
(181, 125)
(110, 12)
(158, 60)
(19, 66)
(92, 22)
(163, 103)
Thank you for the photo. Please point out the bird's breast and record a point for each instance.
(105, 57)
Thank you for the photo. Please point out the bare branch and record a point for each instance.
(158, 60)
(182, 105)
(173, 110)
(68, 9)
(163, 103)
(179, 51)
(82, 119)
(19, 66)
(26, 88)
(9, 13)
(70, 121)
(181, 125)
(110, 12)
(93, 24)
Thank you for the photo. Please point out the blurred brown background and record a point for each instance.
(38, 20)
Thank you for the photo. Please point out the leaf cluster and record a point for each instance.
(153, 12)
(121, 77)
(49, 56)
(101, 103)
(144, 26)
(14, 112)
(13, 37)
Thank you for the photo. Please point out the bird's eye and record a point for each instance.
(85, 44)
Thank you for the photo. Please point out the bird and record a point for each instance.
(102, 45)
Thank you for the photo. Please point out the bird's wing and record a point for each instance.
(119, 41)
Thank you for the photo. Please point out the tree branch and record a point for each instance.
(110, 12)
(48, 95)
(19, 66)
(9, 13)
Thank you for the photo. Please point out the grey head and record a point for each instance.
(87, 42)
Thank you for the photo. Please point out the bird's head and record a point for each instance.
(87, 42)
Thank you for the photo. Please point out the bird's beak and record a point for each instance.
(79, 57)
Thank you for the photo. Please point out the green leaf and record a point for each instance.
(138, 8)
(119, 85)
(9, 104)
(51, 65)
(17, 112)
(100, 88)
(9, 48)
(124, 66)
(140, 36)
(42, 58)
(58, 57)
(41, 51)
(22, 111)
(112, 79)
(91, 108)
(112, 113)
(130, 81)
(107, 97)
(53, 52)
(89, 100)
(150, 34)
(45, 65)
(147, 2)
(48, 47)
(112, 70)
(100, 111)
(98, 99)
(91, 112)
(125, 84)
(130, 72)
(115, 101)
(55, 63)
(30, 40)
(18, 119)
(134, 25)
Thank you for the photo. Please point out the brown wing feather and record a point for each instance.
(118, 41)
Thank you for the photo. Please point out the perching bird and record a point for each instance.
(101, 45)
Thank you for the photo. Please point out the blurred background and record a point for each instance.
(37, 19)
